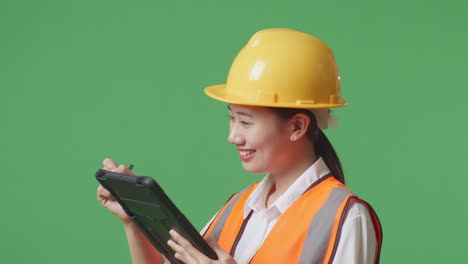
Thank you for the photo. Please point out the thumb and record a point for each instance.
(212, 242)
(223, 256)
(109, 164)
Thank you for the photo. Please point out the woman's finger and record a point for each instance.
(121, 169)
(181, 254)
(101, 191)
(104, 195)
(109, 164)
(188, 248)
(223, 256)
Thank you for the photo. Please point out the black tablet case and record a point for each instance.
(152, 211)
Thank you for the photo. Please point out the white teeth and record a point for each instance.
(246, 152)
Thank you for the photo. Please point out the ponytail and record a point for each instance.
(323, 147)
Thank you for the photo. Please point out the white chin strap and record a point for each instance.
(325, 119)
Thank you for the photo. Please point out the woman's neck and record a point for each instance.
(283, 179)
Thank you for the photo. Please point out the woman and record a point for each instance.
(279, 91)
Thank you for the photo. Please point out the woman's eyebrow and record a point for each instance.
(241, 113)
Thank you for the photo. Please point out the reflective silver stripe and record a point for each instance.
(224, 216)
(318, 236)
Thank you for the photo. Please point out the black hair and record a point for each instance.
(323, 147)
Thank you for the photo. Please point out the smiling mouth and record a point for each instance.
(246, 155)
(246, 152)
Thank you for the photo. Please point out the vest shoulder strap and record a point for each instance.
(322, 227)
(220, 220)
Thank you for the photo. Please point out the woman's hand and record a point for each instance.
(187, 253)
(106, 198)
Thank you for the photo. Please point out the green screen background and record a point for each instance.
(85, 80)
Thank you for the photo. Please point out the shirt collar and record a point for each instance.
(256, 201)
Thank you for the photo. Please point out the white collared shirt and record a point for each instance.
(357, 241)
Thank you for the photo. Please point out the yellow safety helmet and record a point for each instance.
(282, 68)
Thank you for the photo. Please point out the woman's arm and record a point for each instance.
(141, 250)
(358, 242)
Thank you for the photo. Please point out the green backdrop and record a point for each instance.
(84, 80)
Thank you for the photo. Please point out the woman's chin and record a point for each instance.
(252, 169)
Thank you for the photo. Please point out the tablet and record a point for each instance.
(152, 211)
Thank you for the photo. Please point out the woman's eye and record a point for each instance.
(244, 123)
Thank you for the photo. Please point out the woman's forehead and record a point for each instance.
(257, 112)
(233, 107)
(247, 109)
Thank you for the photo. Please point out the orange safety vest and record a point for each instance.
(307, 232)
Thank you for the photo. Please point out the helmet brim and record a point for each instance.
(220, 93)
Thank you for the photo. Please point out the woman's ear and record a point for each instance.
(299, 125)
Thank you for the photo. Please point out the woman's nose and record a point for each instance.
(235, 137)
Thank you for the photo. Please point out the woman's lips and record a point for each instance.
(246, 154)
